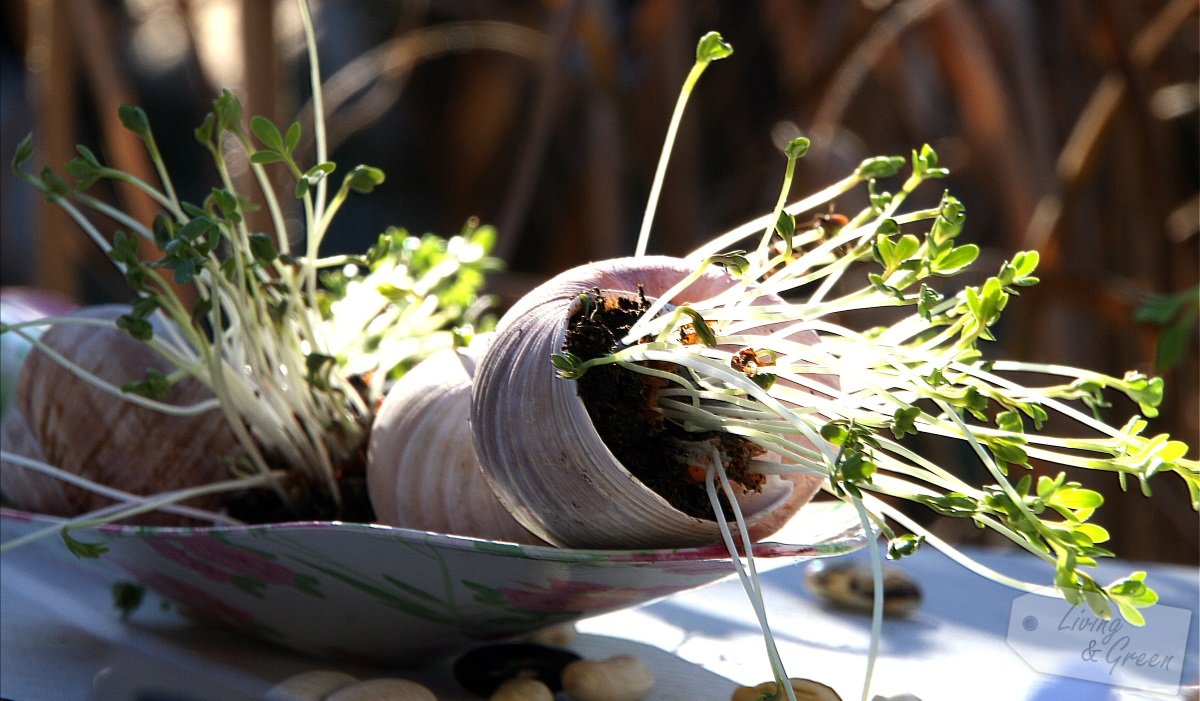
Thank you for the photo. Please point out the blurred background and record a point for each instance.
(1069, 127)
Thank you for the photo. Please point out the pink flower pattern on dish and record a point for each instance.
(198, 601)
(220, 561)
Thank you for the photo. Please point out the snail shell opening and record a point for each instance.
(540, 450)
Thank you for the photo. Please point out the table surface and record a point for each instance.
(62, 639)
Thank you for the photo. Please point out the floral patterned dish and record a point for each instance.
(369, 592)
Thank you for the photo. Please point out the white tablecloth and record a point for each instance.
(63, 639)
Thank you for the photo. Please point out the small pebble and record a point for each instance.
(804, 689)
(554, 636)
(897, 697)
(314, 685)
(851, 585)
(482, 670)
(382, 690)
(522, 689)
(620, 678)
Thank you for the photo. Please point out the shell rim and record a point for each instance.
(830, 540)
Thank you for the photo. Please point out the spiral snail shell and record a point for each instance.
(71, 424)
(422, 471)
(540, 450)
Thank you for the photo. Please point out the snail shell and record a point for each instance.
(851, 585)
(540, 450)
(89, 432)
(422, 471)
(17, 484)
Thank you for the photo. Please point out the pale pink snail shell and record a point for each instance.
(422, 471)
(89, 432)
(540, 451)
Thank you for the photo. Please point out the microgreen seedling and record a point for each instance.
(842, 402)
(711, 47)
(296, 348)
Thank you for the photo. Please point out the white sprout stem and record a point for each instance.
(994, 470)
(748, 574)
(166, 200)
(966, 561)
(640, 327)
(775, 438)
(90, 229)
(116, 214)
(877, 598)
(318, 101)
(993, 379)
(106, 491)
(273, 206)
(827, 284)
(105, 386)
(664, 156)
(769, 230)
(751, 228)
(1049, 402)
(239, 233)
(232, 408)
(980, 452)
(172, 200)
(725, 374)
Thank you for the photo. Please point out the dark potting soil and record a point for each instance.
(266, 506)
(622, 405)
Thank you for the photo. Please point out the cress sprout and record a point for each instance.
(296, 348)
(842, 402)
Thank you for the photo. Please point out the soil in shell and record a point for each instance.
(307, 503)
(622, 405)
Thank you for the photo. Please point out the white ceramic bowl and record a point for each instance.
(376, 593)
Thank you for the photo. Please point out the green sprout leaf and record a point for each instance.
(229, 112)
(267, 133)
(925, 163)
(138, 328)
(785, 225)
(879, 167)
(797, 147)
(765, 380)
(56, 187)
(567, 365)
(135, 120)
(82, 549)
(266, 157)
(1177, 314)
(904, 545)
(363, 179)
(954, 260)
(712, 47)
(312, 177)
(1130, 594)
(734, 261)
(204, 132)
(700, 327)
(904, 421)
(949, 223)
(318, 367)
(23, 152)
(154, 386)
(262, 247)
(292, 138)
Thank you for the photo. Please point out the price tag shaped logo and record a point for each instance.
(1054, 637)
